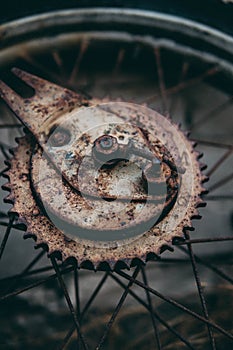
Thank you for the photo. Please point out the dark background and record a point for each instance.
(213, 12)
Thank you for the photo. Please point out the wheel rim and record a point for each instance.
(18, 36)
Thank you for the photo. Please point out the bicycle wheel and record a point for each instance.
(181, 299)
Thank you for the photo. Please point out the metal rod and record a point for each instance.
(156, 332)
(6, 235)
(200, 292)
(142, 302)
(117, 309)
(68, 300)
(176, 304)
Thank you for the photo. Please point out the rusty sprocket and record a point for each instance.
(99, 182)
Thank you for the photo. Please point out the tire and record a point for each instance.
(181, 300)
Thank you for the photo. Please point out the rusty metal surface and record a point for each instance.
(100, 182)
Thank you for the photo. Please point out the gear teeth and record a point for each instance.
(201, 204)
(165, 247)
(9, 199)
(196, 215)
(199, 155)
(123, 264)
(138, 261)
(7, 186)
(204, 178)
(203, 166)
(193, 143)
(87, 264)
(105, 266)
(151, 256)
(30, 235)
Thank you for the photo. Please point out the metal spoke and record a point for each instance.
(2, 223)
(10, 126)
(212, 143)
(38, 65)
(219, 197)
(69, 302)
(219, 162)
(210, 266)
(213, 113)
(184, 70)
(4, 145)
(25, 271)
(76, 286)
(156, 315)
(162, 86)
(117, 309)
(119, 60)
(33, 285)
(29, 273)
(184, 85)
(176, 304)
(3, 215)
(75, 70)
(200, 291)
(6, 235)
(156, 332)
(221, 182)
(58, 61)
(4, 153)
(204, 240)
(87, 306)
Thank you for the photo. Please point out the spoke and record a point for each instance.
(2, 172)
(4, 152)
(6, 236)
(119, 60)
(156, 315)
(4, 145)
(2, 223)
(214, 112)
(33, 285)
(25, 271)
(227, 258)
(219, 197)
(117, 309)
(184, 71)
(29, 273)
(184, 85)
(41, 67)
(209, 266)
(162, 86)
(219, 162)
(3, 215)
(87, 306)
(200, 292)
(75, 70)
(176, 304)
(221, 182)
(156, 332)
(212, 143)
(10, 126)
(204, 240)
(94, 294)
(76, 286)
(69, 302)
(58, 61)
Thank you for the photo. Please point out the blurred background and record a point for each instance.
(147, 54)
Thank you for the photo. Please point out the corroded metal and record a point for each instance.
(100, 182)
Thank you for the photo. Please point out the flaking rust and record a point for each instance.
(100, 182)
